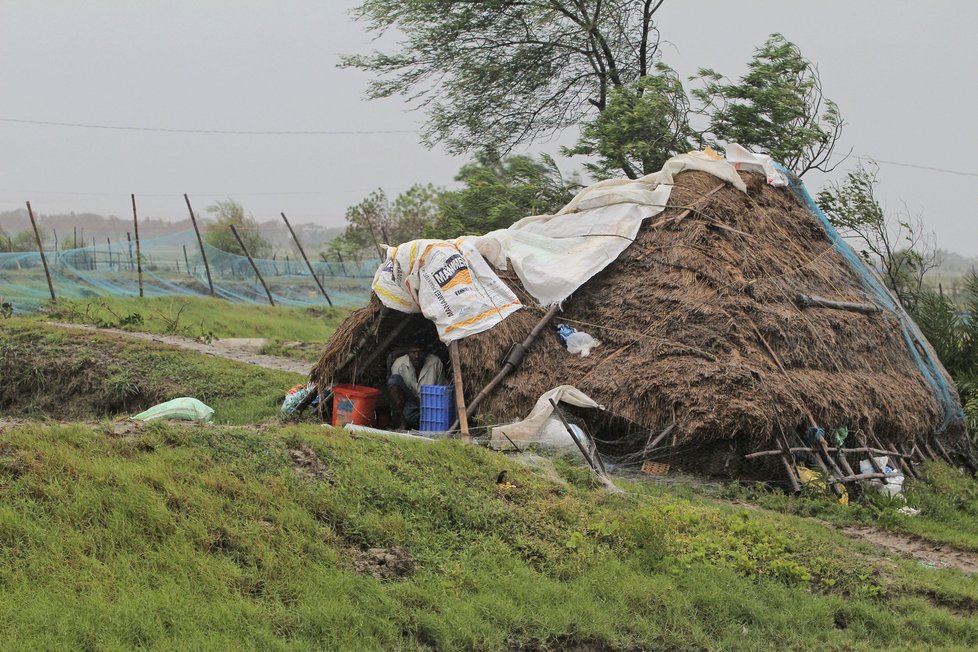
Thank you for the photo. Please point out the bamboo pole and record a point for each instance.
(200, 241)
(94, 255)
(459, 390)
(806, 301)
(512, 361)
(308, 264)
(790, 468)
(186, 261)
(573, 436)
(253, 265)
(652, 443)
(139, 258)
(40, 250)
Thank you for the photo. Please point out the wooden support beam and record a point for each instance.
(789, 467)
(511, 363)
(573, 436)
(652, 443)
(459, 389)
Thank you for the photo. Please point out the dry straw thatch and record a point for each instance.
(697, 319)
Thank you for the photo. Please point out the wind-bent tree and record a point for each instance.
(897, 246)
(777, 108)
(499, 191)
(219, 235)
(644, 123)
(377, 220)
(497, 73)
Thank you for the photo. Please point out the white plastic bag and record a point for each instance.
(892, 485)
(581, 342)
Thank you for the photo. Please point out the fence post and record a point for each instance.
(299, 245)
(40, 249)
(253, 265)
(200, 242)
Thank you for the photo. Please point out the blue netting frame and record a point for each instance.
(173, 266)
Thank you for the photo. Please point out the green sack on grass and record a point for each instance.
(183, 408)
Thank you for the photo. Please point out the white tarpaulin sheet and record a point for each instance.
(554, 255)
(537, 427)
(449, 283)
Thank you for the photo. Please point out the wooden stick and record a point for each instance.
(942, 450)
(308, 264)
(800, 449)
(907, 469)
(899, 459)
(200, 242)
(573, 436)
(459, 390)
(791, 470)
(806, 301)
(662, 435)
(186, 260)
(511, 363)
(253, 265)
(40, 250)
(139, 260)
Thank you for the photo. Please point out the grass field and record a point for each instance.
(201, 317)
(259, 534)
(50, 372)
(216, 538)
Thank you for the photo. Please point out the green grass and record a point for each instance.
(199, 317)
(946, 498)
(51, 372)
(205, 538)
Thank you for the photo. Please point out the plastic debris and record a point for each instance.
(581, 342)
(182, 409)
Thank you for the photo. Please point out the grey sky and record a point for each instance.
(902, 73)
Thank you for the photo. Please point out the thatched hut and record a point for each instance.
(706, 322)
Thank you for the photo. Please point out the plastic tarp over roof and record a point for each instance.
(553, 255)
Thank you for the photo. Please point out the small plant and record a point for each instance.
(6, 310)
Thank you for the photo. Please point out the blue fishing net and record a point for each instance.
(173, 266)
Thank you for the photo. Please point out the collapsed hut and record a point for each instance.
(735, 322)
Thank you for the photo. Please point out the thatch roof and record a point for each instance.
(696, 319)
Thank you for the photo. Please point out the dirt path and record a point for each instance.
(237, 349)
(931, 554)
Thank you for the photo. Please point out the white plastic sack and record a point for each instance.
(892, 485)
(449, 283)
(534, 428)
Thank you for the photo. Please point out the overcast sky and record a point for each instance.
(902, 72)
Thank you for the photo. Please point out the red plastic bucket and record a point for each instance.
(354, 404)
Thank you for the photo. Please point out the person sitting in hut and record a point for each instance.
(415, 368)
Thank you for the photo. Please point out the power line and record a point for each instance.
(918, 167)
(234, 132)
